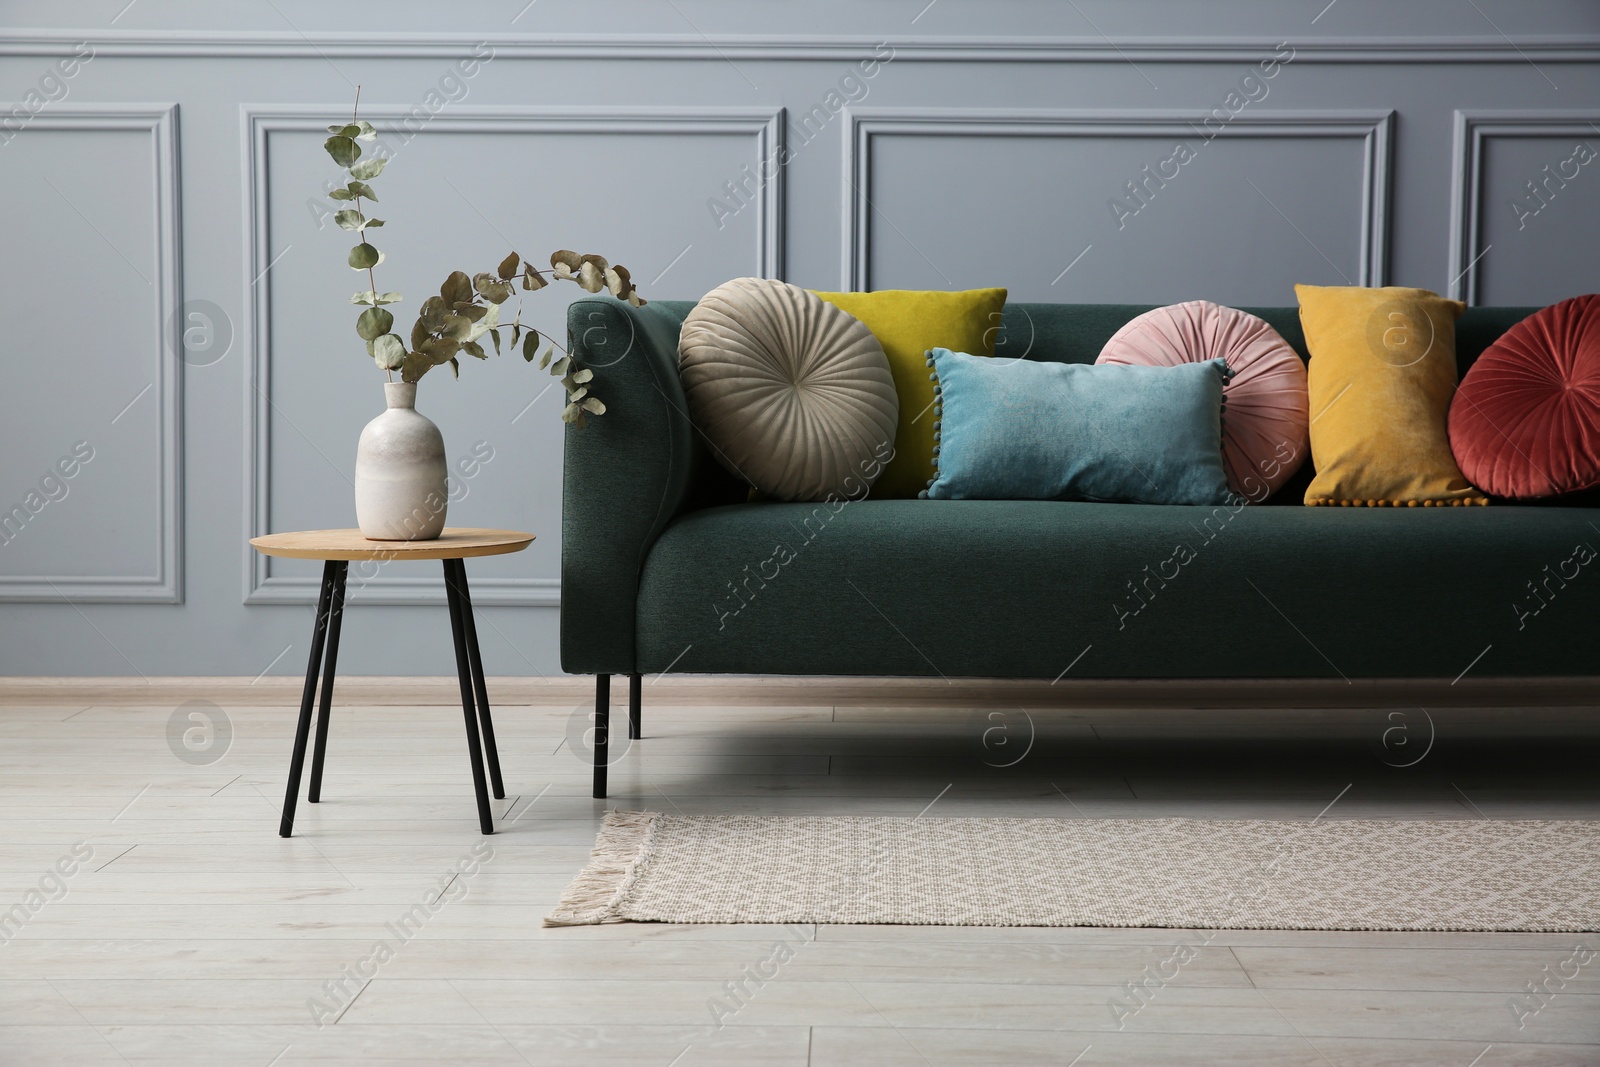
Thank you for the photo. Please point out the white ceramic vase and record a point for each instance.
(401, 493)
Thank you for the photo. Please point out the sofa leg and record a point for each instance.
(635, 699)
(602, 726)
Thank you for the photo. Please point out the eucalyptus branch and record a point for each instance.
(467, 307)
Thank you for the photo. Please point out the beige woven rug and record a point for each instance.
(1182, 873)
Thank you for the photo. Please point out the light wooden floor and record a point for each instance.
(195, 934)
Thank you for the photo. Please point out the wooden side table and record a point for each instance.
(336, 548)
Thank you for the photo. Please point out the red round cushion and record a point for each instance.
(1525, 422)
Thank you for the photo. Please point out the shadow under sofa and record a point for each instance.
(666, 565)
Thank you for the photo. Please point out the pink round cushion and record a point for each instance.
(1525, 421)
(1266, 411)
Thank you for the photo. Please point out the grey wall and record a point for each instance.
(166, 184)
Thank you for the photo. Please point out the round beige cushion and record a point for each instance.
(793, 394)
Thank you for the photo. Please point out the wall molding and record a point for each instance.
(1550, 48)
(160, 121)
(765, 125)
(1374, 128)
(1472, 129)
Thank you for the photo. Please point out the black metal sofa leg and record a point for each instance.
(602, 726)
(634, 707)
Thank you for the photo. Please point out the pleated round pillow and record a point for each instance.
(1525, 421)
(794, 394)
(1265, 410)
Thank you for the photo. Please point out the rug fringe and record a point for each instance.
(595, 895)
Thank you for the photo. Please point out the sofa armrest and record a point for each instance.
(626, 474)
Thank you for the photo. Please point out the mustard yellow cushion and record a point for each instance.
(1382, 371)
(908, 324)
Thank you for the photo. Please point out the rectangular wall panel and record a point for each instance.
(1525, 206)
(91, 496)
(1134, 207)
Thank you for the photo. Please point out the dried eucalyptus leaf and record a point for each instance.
(364, 256)
(389, 352)
(575, 395)
(530, 346)
(362, 189)
(391, 297)
(457, 327)
(457, 289)
(474, 349)
(455, 368)
(544, 360)
(371, 223)
(492, 288)
(369, 297)
(508, 267)
(565, 264)
(419, 333)
(374, 323)
(494, 335)
(618, 281)
(516, 334)
(416, 365)
(433, 311)
(367, 130)
(559, 367)
(532, 280)
(571, 413)
(593, 405)
(582, 376)
(591, 277)
(349, 219)
(636, 300)
(473, 312)
(341, 194)
(343, 150)
(440, 349)
(368, 169)
(598, 261)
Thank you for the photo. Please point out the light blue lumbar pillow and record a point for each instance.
(1025, 430)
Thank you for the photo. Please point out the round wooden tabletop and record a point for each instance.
(457, 542)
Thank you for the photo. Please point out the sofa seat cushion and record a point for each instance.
(1029, 589)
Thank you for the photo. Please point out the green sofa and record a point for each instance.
(666, 566)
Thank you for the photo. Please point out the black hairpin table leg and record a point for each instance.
(302, 730)
(458, 630)
(491, 751)
(330, 665)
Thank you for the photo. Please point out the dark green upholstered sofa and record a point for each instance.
(665, 566)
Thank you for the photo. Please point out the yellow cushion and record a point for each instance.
(1382, 371)
(907, 324)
